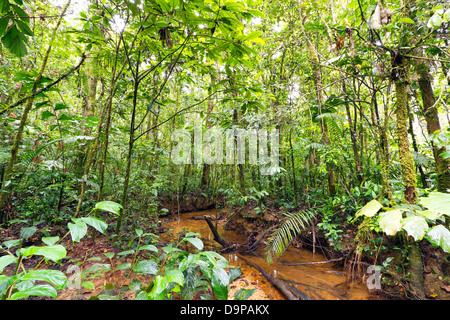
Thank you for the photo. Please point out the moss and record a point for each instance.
(405, 155)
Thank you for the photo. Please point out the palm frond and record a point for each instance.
(282, 237)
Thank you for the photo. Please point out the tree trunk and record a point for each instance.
(400, 75)
(431, 116)
(325, 139)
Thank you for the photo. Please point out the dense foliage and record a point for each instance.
(91, 94)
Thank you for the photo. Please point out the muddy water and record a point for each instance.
(317, 281)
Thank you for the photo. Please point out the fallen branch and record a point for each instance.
(217, 237)
(254, 245)
(275, 282)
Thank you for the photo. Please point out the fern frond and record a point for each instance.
(282, 237)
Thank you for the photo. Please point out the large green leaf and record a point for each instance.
(28, 232)
(196, 242)
(146, 267)
(437, 201)
(370, 209)
(415, 226)
(15, 41)
(78, 229)
(38, 290)
(96, 223)
(175, 276)
(6, 260)
(54, 252)
(390, 221)
(190, 280)
(440, 236)
(55, 277)
(220, 280)
(109, 206)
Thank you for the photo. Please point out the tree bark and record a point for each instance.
(431, 116)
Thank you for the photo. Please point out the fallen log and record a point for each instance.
(275, 282)
(298, 293)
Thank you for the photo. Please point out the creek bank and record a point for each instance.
(191, 202)
(394, 285)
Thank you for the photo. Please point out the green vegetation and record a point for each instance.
(92, 96)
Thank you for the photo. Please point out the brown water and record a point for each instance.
(317, 281)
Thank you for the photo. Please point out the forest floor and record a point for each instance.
(91, 250)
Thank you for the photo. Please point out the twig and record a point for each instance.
(313, 262)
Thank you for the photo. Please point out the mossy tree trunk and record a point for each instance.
(400, 75)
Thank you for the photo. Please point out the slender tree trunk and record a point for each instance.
(415, 147)
(130, 147)
(325, 139)
(358, 166)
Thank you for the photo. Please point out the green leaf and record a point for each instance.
(55, 277)
(390, 221)
(38, 290)
(6, 261)
(64, 117)
(220, 281)
(234, 273)
(24, 28)
(146, 267)
(406, 20)
(124, 266)
(27, 232)
(46, 115)
(15, 41)
(96, 223)
(109, 206)
(149, 247)
(50, 240)
(159, 286)
(175, 276)
(11, 243)
(3, 24)
(77, 230)
(54, 252)
(440, 236)
(60, 106)
(190, 284)
(243, 294)
(370, 209)
(88, 285)
(437, 201)
(196, 242)
(415, 226)
(4, 6)
(96, 269)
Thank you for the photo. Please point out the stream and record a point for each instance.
(318, 281)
